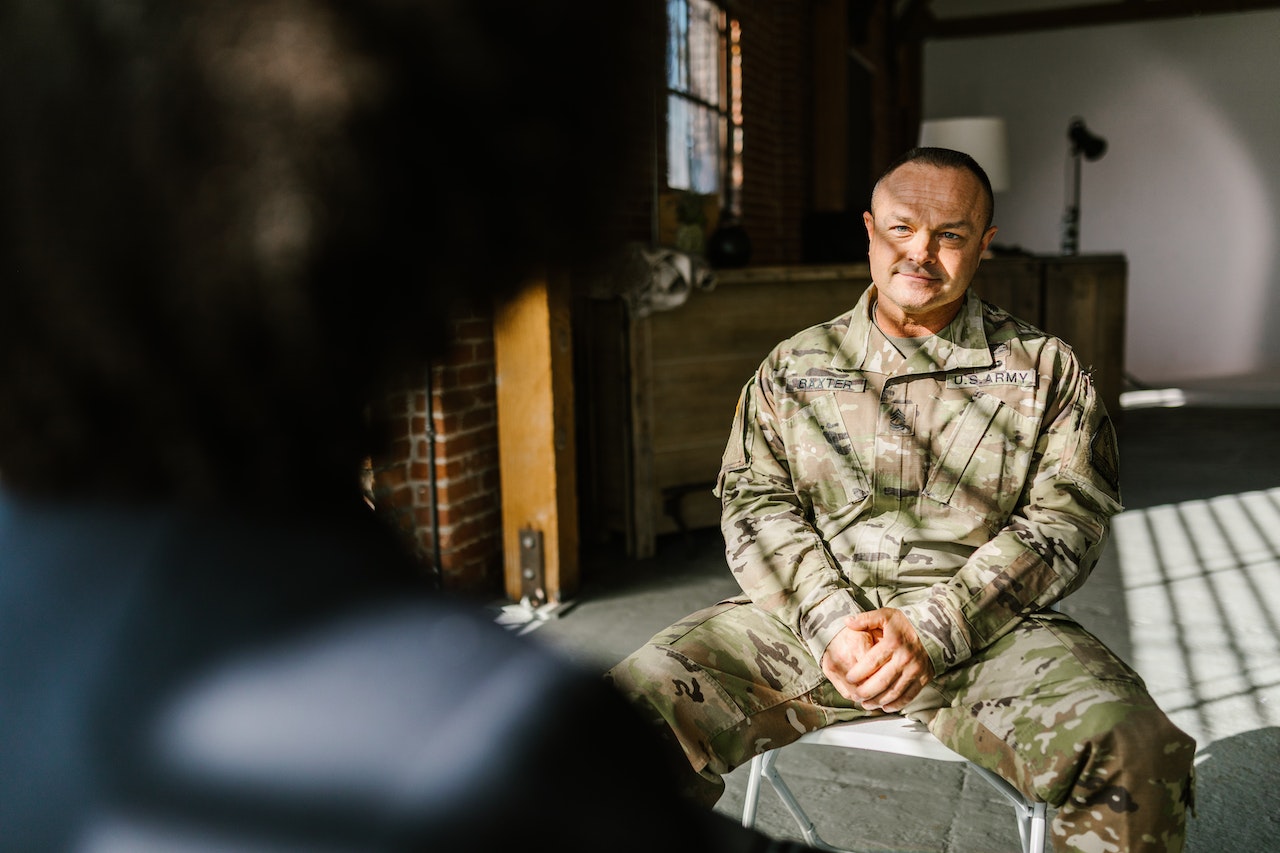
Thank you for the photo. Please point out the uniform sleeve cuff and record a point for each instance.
(940, 632)
(821, 623)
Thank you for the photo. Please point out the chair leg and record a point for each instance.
(752, 798)
(762, 766)
(1031, 814)
(1039, 828)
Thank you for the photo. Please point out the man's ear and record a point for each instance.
(869, 221)
(988, 237)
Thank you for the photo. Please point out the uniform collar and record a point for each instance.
(962, 344)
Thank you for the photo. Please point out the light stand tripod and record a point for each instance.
(1083, 144)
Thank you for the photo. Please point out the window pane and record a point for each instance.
(735, 172)
(735, 72)
(704, 107)
(693, 146)
(704, 152)
(704, 51)
(678, 45)
(677, 143)
(737, 141)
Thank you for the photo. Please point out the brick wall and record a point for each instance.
(465, 503)
(775, 115)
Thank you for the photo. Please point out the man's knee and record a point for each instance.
(1134, 784)
(655, 674)
(671, 692)
(1145, 741)
(1133, 760)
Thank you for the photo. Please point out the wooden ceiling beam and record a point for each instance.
(1122, 12)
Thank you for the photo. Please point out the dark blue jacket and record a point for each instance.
(179, 681)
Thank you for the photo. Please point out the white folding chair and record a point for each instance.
(889, 733)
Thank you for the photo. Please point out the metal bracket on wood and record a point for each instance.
(533, 588)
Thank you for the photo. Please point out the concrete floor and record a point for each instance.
(1188, 592)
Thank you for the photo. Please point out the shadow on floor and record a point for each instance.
(1235, 793)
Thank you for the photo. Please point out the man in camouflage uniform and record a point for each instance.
(907, 490)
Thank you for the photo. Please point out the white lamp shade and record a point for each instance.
(982, 138)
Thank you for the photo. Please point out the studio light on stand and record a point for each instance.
(983, 138)
(1090, 147)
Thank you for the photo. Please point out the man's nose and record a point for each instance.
(920, 249)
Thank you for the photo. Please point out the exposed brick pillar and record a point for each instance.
(463, 503)
(776, 101)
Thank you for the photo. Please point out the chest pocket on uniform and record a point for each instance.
(825, 466)
(983, 463)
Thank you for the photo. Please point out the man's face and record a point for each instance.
(926, 232)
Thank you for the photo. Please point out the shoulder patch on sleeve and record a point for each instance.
(737, 451)
(1104, 454)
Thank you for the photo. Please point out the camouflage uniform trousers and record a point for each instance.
(1047, 706)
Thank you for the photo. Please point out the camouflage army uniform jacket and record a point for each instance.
(968, 485)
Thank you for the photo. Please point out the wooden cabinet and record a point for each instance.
(1079, 298)
(660, 390)
(1084, 304)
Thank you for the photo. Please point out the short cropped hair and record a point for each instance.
(945, 158)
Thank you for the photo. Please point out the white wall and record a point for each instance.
(1189, 189)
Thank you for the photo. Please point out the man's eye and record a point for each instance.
(898, 229)
(950, 235)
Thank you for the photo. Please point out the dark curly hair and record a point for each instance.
(223, 223)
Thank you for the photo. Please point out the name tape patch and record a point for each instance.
(825, 383)
(1025, 378)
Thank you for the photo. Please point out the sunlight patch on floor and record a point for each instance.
(1201, 587)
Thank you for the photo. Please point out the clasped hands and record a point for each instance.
(878, 661)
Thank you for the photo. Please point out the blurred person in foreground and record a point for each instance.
(223, 226)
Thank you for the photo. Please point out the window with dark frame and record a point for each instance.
(704, 100)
